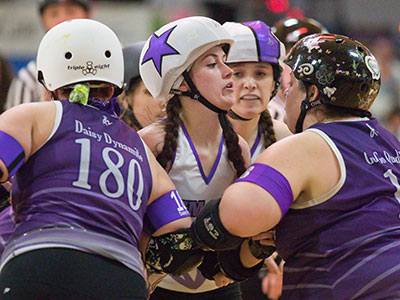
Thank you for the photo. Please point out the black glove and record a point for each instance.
(260, 251)
(210, 266)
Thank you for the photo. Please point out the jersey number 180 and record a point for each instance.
(134, 173)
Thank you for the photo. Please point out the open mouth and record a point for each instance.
(229, 85)
(249, 97)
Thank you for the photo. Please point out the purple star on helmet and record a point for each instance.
(158, 48)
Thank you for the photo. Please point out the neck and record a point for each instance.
(201, 122)
(246, 129)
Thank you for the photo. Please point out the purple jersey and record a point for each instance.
(86, 188)
(346, 244)
(6, 226)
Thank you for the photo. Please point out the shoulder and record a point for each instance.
(307, 162)
(281, 130)
(153, 135)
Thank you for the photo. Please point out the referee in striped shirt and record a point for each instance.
(25, 88)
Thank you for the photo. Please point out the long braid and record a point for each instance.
(171, 125)
(267, 128)
(233, 147)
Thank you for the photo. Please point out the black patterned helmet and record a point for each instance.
(344, 70)
(290, 30)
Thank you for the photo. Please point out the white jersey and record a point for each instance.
(258, 146)
(196, 189)
(25, 88)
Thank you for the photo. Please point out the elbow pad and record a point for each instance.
(173, 253)
(208, 231)
(232, 267)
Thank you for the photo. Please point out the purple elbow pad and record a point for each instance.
(272, 181)
(11, 153)
(165, 209)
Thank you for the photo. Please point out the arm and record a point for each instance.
(27, 127)
(171, 248)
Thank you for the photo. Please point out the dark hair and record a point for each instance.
(128, 114)
(171, 126)
(267, 128)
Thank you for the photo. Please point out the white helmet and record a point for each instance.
(254, 41)
(80, 50)
(173, 48)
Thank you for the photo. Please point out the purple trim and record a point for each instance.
(172, 162)
(268, 49)
(214, 168)
(12, 155)
(254, 147)
(165, 209)
(272, 181)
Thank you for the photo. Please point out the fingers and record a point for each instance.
(272, 266)
(221, 280)
(271, 285)
(268, 235)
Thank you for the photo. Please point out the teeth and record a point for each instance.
(250, 97)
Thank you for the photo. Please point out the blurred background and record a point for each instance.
(374, 23)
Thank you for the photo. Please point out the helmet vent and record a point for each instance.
(68, 55)
(107, 54)
(339, 41)
(364, 88)
(360, 49)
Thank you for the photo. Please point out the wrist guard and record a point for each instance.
(174, 253)
(232, 266)
(210, 266)
(209, 232)
(260, 251)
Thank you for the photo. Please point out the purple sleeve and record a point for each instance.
(165, 209)
(11, 153)
(272, 181)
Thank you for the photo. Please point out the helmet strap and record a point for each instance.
(306, 105)
(195, 95)
(235, 116)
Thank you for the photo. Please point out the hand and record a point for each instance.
(266, 238)
(221, 280)
(271, 285)
(273, 267)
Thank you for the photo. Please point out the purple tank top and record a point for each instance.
(91, 180)
(348, 247)
(6, 226)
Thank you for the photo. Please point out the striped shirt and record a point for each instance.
(25, 88)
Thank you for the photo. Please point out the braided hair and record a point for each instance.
(232, 144)
(267, 128)
(171, 126)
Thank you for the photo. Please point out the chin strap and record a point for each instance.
(235, 116)
(195, 95)
(306, 105)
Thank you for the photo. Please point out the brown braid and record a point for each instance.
(171, 127)
(234, 151)
(267, 128)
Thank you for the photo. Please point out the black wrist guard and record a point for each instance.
(208, 231)
(210, 266)
(260, 251)
(232, 266)
(175, 253)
